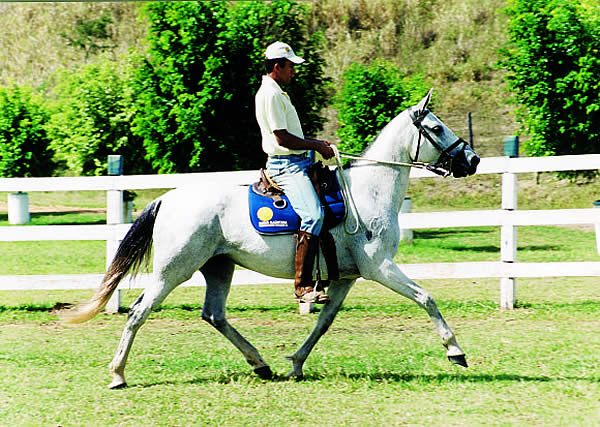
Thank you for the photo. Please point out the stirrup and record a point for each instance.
(315, 297)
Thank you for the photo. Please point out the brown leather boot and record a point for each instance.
(306, 249)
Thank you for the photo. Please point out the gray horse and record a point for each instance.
(210, 231)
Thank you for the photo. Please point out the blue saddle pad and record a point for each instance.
(270, 217)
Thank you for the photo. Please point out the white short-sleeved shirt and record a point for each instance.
(274, 111)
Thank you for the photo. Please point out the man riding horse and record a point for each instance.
(290, 155)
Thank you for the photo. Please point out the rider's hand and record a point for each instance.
(325, 150)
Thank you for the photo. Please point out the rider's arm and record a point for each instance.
(287, 140)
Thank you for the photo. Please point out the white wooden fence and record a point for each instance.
(508, 218)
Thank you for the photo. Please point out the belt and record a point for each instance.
(304, 155)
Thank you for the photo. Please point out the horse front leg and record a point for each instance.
(389, 275)
(337, 293)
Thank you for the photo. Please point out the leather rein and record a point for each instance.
(443, 165)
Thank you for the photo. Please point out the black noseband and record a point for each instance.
(443, 165)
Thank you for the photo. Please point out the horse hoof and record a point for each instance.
(294, 376)
(264, 372)
(459, 360)
(116, 385)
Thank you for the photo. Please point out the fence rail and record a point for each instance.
(507, 269)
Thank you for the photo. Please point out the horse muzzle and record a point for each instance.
(464, 161)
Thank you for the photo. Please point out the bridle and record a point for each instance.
(443, 165)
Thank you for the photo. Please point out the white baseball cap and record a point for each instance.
(282, 50)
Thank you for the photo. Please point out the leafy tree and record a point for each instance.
(177, 85)
(195, 88)
(252, 26)
(91, 118)
(372, 95)
(24, 144)
(553, 64)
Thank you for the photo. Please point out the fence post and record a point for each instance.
(470, 124)
(406, 234)
(306, 307)
(597, 228)
(114, 215)
(508, 233)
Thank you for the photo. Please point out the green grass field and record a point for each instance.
(536, 244)
(381, 363)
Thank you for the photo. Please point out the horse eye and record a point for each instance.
(438, 129)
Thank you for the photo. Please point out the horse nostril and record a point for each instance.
(474, 163)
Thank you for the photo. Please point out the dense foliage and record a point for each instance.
(24, 144)
(184, 100)
(195, 90)
(91, 116)
(554, 63)
(371, 96)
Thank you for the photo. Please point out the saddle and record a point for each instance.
(272, 214)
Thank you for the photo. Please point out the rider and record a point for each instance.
(290, 154)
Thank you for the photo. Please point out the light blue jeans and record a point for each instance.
(289, 172)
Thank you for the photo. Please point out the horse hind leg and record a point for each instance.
(218, 273)
(338, 290)
(138, 313)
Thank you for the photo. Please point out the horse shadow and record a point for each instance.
(388, 377)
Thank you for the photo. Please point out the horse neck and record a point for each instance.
(381, 188)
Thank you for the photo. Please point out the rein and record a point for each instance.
(442, 167)
(432, 168)
(348, 196)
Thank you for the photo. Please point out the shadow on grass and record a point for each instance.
(486, 249)
(377, 377)
(400, 308)
(446, 378)
(48, 308)
(439, 234)
(494, 249)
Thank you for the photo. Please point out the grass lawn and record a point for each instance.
(536, 244)
(381, 363)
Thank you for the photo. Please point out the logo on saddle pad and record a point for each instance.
(272, 214)
(264, 214)
(270, 217)
(267, 224)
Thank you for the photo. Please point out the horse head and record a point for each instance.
(438, 146)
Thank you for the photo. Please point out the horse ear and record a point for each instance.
(425, 101)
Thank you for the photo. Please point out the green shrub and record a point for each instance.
(370, 96)
(553, 64)
(91, 118)
(24, 144)
(195, 90)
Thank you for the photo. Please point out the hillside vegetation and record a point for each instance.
(453, 44)
(39, 38)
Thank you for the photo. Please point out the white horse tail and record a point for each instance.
(133, 254)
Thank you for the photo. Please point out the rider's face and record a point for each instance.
(284, 74)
